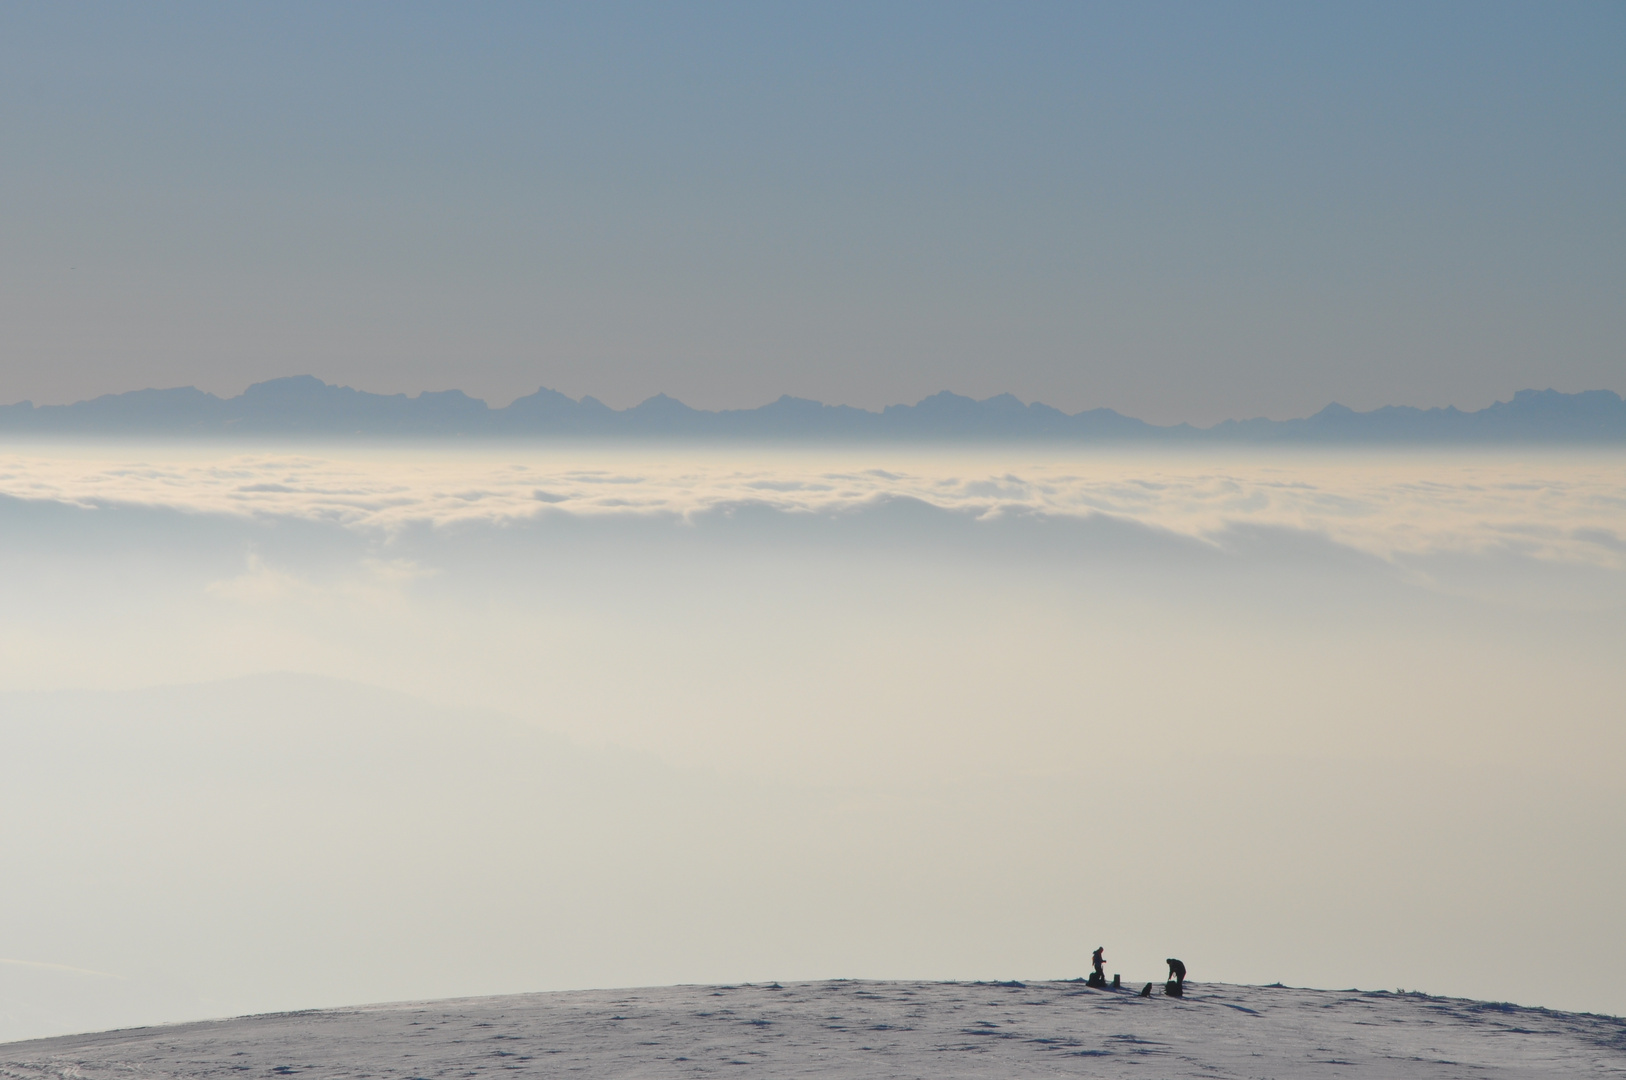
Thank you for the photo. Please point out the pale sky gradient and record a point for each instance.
(1182, 211)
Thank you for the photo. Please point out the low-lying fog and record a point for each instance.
(299, 726)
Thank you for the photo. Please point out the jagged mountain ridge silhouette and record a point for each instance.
(305, 405)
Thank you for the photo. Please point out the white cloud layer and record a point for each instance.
(1551, 506)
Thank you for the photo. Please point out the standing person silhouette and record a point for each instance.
(1100, 965)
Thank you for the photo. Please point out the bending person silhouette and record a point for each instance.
(1098, 977)
(1177, 971)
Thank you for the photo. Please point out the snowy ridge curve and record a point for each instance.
(861, 1028)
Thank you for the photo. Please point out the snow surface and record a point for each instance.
(866, 1029)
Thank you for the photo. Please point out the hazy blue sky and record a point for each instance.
(1184, 211)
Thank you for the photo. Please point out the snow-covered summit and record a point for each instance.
(867, 1029)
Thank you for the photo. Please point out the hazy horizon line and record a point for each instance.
(306, 404)
(662, 395)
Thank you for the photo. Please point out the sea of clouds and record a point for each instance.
(1540, 504)
(291, 726)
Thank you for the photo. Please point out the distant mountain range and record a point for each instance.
(305, 406)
